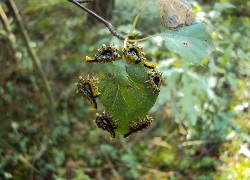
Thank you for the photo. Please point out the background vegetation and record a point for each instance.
(202, 118)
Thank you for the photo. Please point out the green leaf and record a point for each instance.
(124, 92)
(190, 42)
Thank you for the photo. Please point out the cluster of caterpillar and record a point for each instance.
(87, 87)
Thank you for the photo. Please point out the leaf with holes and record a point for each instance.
(124, 92)
(193, 42)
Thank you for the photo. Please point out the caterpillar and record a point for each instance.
(139, 126)
(133, 53)
(155, 80)
(87, 88)
(105, 122)
(107, 53)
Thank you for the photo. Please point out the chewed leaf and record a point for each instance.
(124, 92)
(176, 13)
(193, 42)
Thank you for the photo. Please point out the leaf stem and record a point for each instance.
(137, 17)
(144, 39)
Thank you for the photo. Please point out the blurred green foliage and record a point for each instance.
(201, 128)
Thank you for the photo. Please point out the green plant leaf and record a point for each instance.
(124, 92)
(191, 42)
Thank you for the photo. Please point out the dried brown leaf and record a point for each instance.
(176, 13)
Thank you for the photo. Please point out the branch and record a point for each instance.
(5, 21)
(111, 165)
(105, 22)
(85, 1)
(7, 28)
(38, 66)
(23, 159)
(34, 57)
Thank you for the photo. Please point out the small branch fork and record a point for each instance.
(105, 22)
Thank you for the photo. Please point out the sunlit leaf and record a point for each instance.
(193, 43)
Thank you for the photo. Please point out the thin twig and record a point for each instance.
(116, 174)
(85, 1)
(144, 39)
(34, 57)
(5, 21)
(42, 149)
(137, 17)
(20, 156)
(109, 25)
(38, 66)
(105, 22)
(7, 28)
